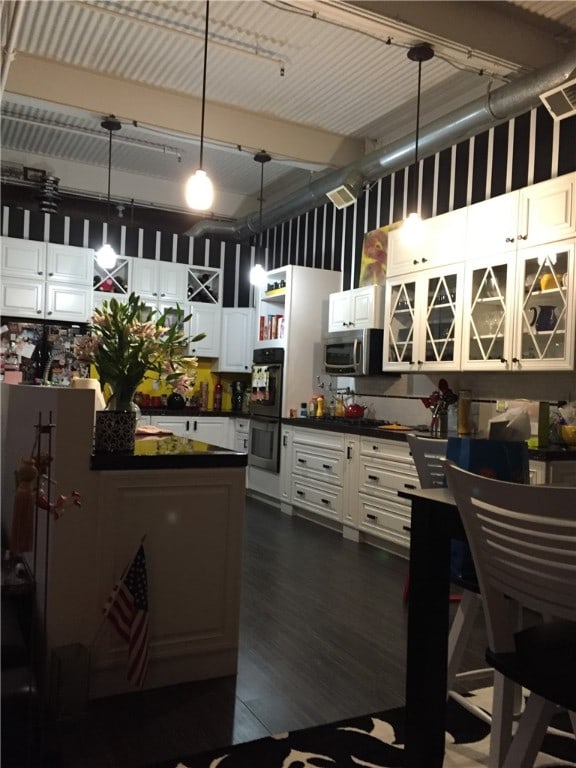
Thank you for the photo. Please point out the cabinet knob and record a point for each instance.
(50, 274)
(40, 272)
(48, 313)
(420, 362)
(162, 294)
(414, 261)
(424, 260)
(503, 360)
(515, 360)
(38, 311)
(509, 239)
(522, 237)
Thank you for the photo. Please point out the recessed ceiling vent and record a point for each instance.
(342, 196)
(561, 101)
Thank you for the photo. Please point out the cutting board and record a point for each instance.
(395, 428)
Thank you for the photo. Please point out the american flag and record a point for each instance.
(127, 609)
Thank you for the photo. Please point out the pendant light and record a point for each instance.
(412, 228)
(199, 189)
(106, 256)
(258, 273)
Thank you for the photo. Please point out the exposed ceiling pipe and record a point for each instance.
(496, 107)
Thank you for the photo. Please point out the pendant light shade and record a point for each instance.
(412, 228)
(106, 255)
(199, 191)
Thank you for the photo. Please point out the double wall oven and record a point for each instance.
(266, 409)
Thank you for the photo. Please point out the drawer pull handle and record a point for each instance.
(326, 466)
(300, 493)
(302, 461)
(410, 487)
(373, 477)
(375, 448)
(349, 452)
(371, 517)
(325, 501)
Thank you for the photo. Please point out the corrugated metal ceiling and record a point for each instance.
(303, 65)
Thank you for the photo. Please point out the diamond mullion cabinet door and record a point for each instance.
(23, 258)
(488, 317)
(69, 264)
(545, 314)
(22, 298)
(439, 321)
(400, 325)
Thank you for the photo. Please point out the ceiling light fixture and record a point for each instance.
(106, 255)
(412, 228)
(257, 273)
(199, 188)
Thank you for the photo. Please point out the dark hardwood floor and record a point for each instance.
(322, 638)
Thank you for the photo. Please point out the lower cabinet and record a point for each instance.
(384, 468)
(317, 472)
(208, 429)
(352, 481)
(241, 435)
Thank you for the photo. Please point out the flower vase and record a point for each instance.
(115, 429)
(175, 402)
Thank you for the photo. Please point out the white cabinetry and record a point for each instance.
(385, 467)
(208, 429)
(295, 314)
(286, 448)
(113, 283)
(441, 242)
(424, 320)
(205, 318)
(46, 280)
(241, 434)
(356, 309)
(161, 281)
(521, 310)
(236, 340)
(318, 460)
(538, 214)
(553, 473)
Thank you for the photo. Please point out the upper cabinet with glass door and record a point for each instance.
(424, 321)
(489, 297)
(545, 326)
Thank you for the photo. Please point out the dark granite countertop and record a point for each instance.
(190, 412)
(170, 452)
(349, 426)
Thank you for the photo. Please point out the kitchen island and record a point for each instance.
(185, 497)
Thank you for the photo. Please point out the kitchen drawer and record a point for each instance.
(327, 466)
(317, 440)
(323, 499)
(381, 474)
(393, 450)
(391, 523)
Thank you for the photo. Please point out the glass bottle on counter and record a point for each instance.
(464, 412)
(218, 395)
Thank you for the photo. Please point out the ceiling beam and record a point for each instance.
(101, 95)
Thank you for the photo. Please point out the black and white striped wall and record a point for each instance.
(523, 151)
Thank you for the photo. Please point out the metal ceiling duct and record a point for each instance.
(496, 107)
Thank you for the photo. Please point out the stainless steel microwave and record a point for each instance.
(353, 353)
